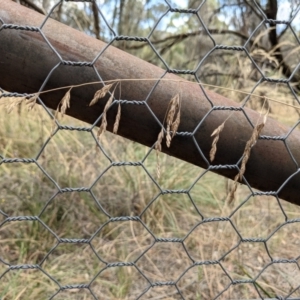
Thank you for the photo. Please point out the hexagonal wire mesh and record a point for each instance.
(86, 215)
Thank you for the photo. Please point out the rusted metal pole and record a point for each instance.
(26, 60)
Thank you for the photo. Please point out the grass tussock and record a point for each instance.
(67, 159)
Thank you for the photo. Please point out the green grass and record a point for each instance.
(72, 160)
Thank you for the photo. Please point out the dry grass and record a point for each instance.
(117, 120)
(172, 118)
(158, 150)
(103, 126)
(246, 155)
(216, 133)
(100, 94)
(71, 160)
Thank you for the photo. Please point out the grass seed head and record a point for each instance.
(246, 155)
(102, 128)
(175, 124)
(100, 94)
(231, 195)
(215, 133)
(109, 102)
(103, 125)
(10, 103)
(159, 140)
(117, 121)
(251, 142)
(158, 149)
(65, 102)
(173, 118)
(31, 101)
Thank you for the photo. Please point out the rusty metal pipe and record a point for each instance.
(26, 60)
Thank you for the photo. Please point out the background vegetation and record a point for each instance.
(72, 159)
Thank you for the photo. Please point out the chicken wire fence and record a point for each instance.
(85, 216)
